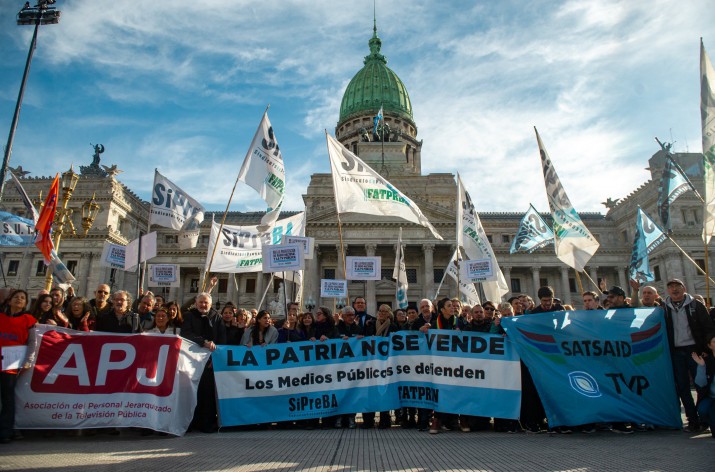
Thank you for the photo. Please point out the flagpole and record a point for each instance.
(578, 281)
(223, 220)
(691, 260)
(590, 279)
(342, 253)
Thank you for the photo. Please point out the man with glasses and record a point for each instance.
(546, 301)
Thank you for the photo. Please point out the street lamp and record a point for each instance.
(63, 215)
(40, 14)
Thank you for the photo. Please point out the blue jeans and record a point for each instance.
(706, 408)
(684, 367)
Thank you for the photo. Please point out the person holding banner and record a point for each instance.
(324, 324)
(446, 319)
(288, 333)
(361, 314)
(705, 385)
(204, 327)
(688, 325)
(15, 326)
(121, 319)
(383, 327)
(175, 317)
(262, 333)
(234, 330)
(100, 303)
(161, 323)
(43, 309)
(306, 326)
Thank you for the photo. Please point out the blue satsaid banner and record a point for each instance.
(599, 365)
(452, 372)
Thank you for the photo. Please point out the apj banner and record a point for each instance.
(451, 372)
(100, 380)
(599, 365)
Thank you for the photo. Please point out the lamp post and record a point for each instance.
(40, 14)
(63, 215)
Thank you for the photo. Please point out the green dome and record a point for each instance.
(375, 85)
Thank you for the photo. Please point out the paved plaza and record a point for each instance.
(361, 450)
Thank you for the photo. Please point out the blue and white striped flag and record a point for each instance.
(648, 236)
(533, 233)
(673, 183)
(377, 120)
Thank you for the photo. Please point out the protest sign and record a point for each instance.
(330, 288)
(363, 268)
(307, 242)
(164, 275)
(283, 257)
(113, 255)
(477, 270)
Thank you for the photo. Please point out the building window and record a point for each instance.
(386, 274)
(194, 286)
(223, 285)
(72, 267)
(329, 274)
(505, 238)
(438, 274)
(276, 284)
(572, 286)
(41, 268)
(624, 236)
(171, 239)
(205, 240)
(656, 273)
(489, 238)
(516, 285)
(411, 276)
(250, 285)
(700, 263)
(12, 267)
(543, 282)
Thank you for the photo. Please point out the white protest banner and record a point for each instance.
(173, 208)
(283, 257)
(477, 270)
(307, 242)
(148, 251)
(263, 170)
(359, 189)
(113, 255)
(363, 268)
(330, 288)
(164, 275)
(13, 357)
(100, 380)
(240, 247)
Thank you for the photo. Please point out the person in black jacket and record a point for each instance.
(688, 325)
(121, 319)
(204, 326)
(706, 387)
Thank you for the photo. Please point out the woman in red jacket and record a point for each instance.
(15, 325)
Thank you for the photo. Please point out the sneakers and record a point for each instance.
(692, 427)
(464, 425)
(351, 423)
(434, 427)
(620, 428)
(338, 423)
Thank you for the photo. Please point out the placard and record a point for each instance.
(164, 275)
(283, 257)
(477, 270)
(13, 356)
(113, 256)
(331, 288)
(307, 242)
(363, 268)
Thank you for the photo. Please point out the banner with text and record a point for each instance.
(164, 275)
(240, 248)
(363, 267)
(452, 372)
(113, 255)
(100, 380)
(599, 365)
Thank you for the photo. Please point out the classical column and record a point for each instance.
(535, 276)
(565, 289)
(370, 296)
(428, 250)
(83, 278)
(230, 289)
(622, 279)
(312, 289)
(25, 270)
(506, 271)
(259, 290)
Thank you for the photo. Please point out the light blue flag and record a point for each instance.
(599, 365)
(533, 233)
(639, 268)
(15, 230)
(377, 120)
(673, 183)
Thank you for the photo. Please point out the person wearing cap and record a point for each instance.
(616, 297)
(688, 325)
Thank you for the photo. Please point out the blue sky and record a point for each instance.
(181, 85)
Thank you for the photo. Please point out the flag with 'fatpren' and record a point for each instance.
(707, 114)
(359, 189)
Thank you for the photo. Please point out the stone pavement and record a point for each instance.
(362, 450)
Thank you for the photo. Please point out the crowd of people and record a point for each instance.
(690, 329)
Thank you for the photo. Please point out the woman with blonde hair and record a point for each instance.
(383, 327)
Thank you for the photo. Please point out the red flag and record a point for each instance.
(44, 223)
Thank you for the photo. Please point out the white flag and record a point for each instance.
(263, 170)
(465, 288)
(707, 113)
(359, 189)
(575, 245)
(171, 207)
(25, 199)
(400, 274)
(472, 237)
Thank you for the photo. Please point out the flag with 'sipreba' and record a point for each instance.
(171, 207)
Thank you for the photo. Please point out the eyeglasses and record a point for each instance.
(488, 309)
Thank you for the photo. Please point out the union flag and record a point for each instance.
(43, 240)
